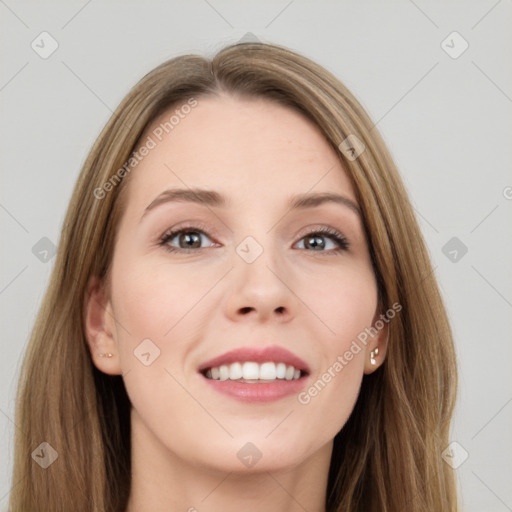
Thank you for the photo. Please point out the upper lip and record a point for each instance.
(258, 355)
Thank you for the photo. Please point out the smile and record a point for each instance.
(256, 374)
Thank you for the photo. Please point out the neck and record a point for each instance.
(161, 481)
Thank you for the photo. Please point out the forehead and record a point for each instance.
(253, 146)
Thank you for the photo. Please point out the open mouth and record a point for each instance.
(250, 372)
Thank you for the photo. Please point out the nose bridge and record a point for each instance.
(258, 246)
(254, 259)
(259, 286)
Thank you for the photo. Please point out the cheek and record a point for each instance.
(345, 300)
(330, 399)
(346, 303)
(150, 303)
(154, 298)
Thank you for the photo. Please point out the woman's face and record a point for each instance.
(249, 272)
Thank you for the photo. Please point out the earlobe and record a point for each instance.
(100, 329)
(376, 350)
(373, 354)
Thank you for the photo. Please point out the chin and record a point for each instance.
(252, 454)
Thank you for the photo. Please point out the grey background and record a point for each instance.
(447, 122)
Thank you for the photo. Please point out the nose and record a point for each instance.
(260, 291)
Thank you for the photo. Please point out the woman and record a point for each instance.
(242, 313)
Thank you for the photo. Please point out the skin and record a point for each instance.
(197, 305)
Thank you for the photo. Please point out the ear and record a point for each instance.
(378, 342)
(100, 328)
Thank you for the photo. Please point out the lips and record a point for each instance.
(269, 385)
(255, 375)
(270, 354)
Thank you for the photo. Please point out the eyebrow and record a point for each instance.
(214, 199)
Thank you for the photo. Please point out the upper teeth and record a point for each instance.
(253, 371)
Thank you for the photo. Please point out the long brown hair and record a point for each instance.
(387, 457)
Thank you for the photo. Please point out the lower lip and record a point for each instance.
(265, 392)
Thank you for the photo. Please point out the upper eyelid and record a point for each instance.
(205, 229)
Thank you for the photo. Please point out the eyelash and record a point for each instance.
(335, 235)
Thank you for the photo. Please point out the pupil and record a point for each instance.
(192, 239)
(315, 242)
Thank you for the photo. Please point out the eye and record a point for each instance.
(324, 240)
(183, 239)
(191, 238)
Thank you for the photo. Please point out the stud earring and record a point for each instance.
(108, 354)
(374, 353)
